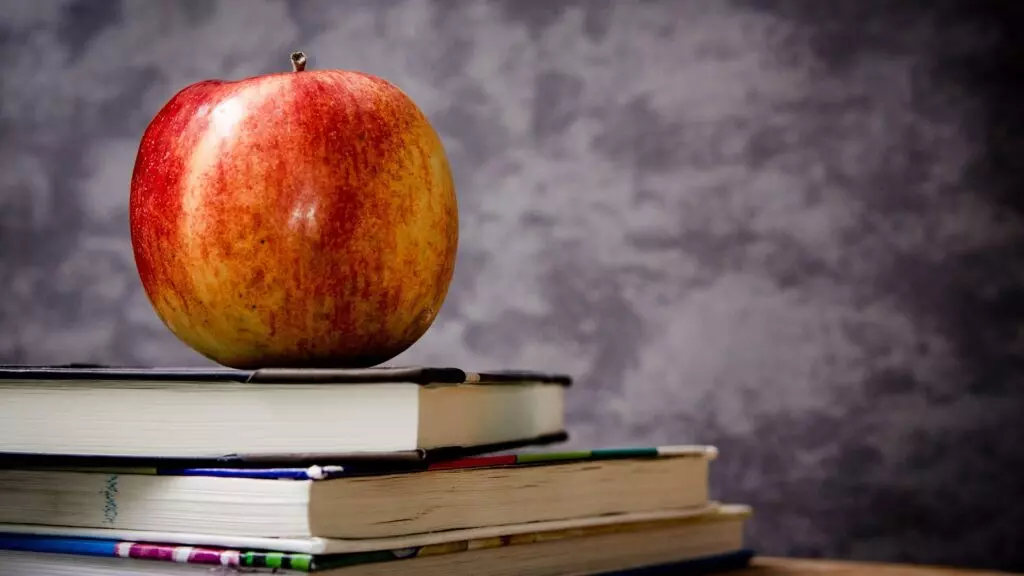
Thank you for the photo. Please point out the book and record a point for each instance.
(272, 414)
(699, 542)
(326, 501)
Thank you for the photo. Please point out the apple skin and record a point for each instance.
(297, 219)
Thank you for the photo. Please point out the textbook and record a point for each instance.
(330, 502)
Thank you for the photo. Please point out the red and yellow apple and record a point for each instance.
(296, 219)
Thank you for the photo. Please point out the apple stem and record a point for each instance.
(298, 61)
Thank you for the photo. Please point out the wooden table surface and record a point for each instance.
(766, 566)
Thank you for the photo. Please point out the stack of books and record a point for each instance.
(349, 472)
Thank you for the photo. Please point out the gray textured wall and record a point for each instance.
(788, 228)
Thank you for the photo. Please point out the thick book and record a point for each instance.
(634, 544)
(272, 414)
(327, 501)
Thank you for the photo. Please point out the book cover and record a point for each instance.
(432, 375)
(363, 462)
(320, 472)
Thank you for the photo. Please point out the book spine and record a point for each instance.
(216, 557)
(159, 552)
(310, 473)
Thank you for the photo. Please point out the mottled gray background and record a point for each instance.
(792, 229)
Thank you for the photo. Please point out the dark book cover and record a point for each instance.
(415, 374)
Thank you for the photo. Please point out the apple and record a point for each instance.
(305, 218)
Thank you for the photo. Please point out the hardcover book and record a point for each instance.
(257, 417)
